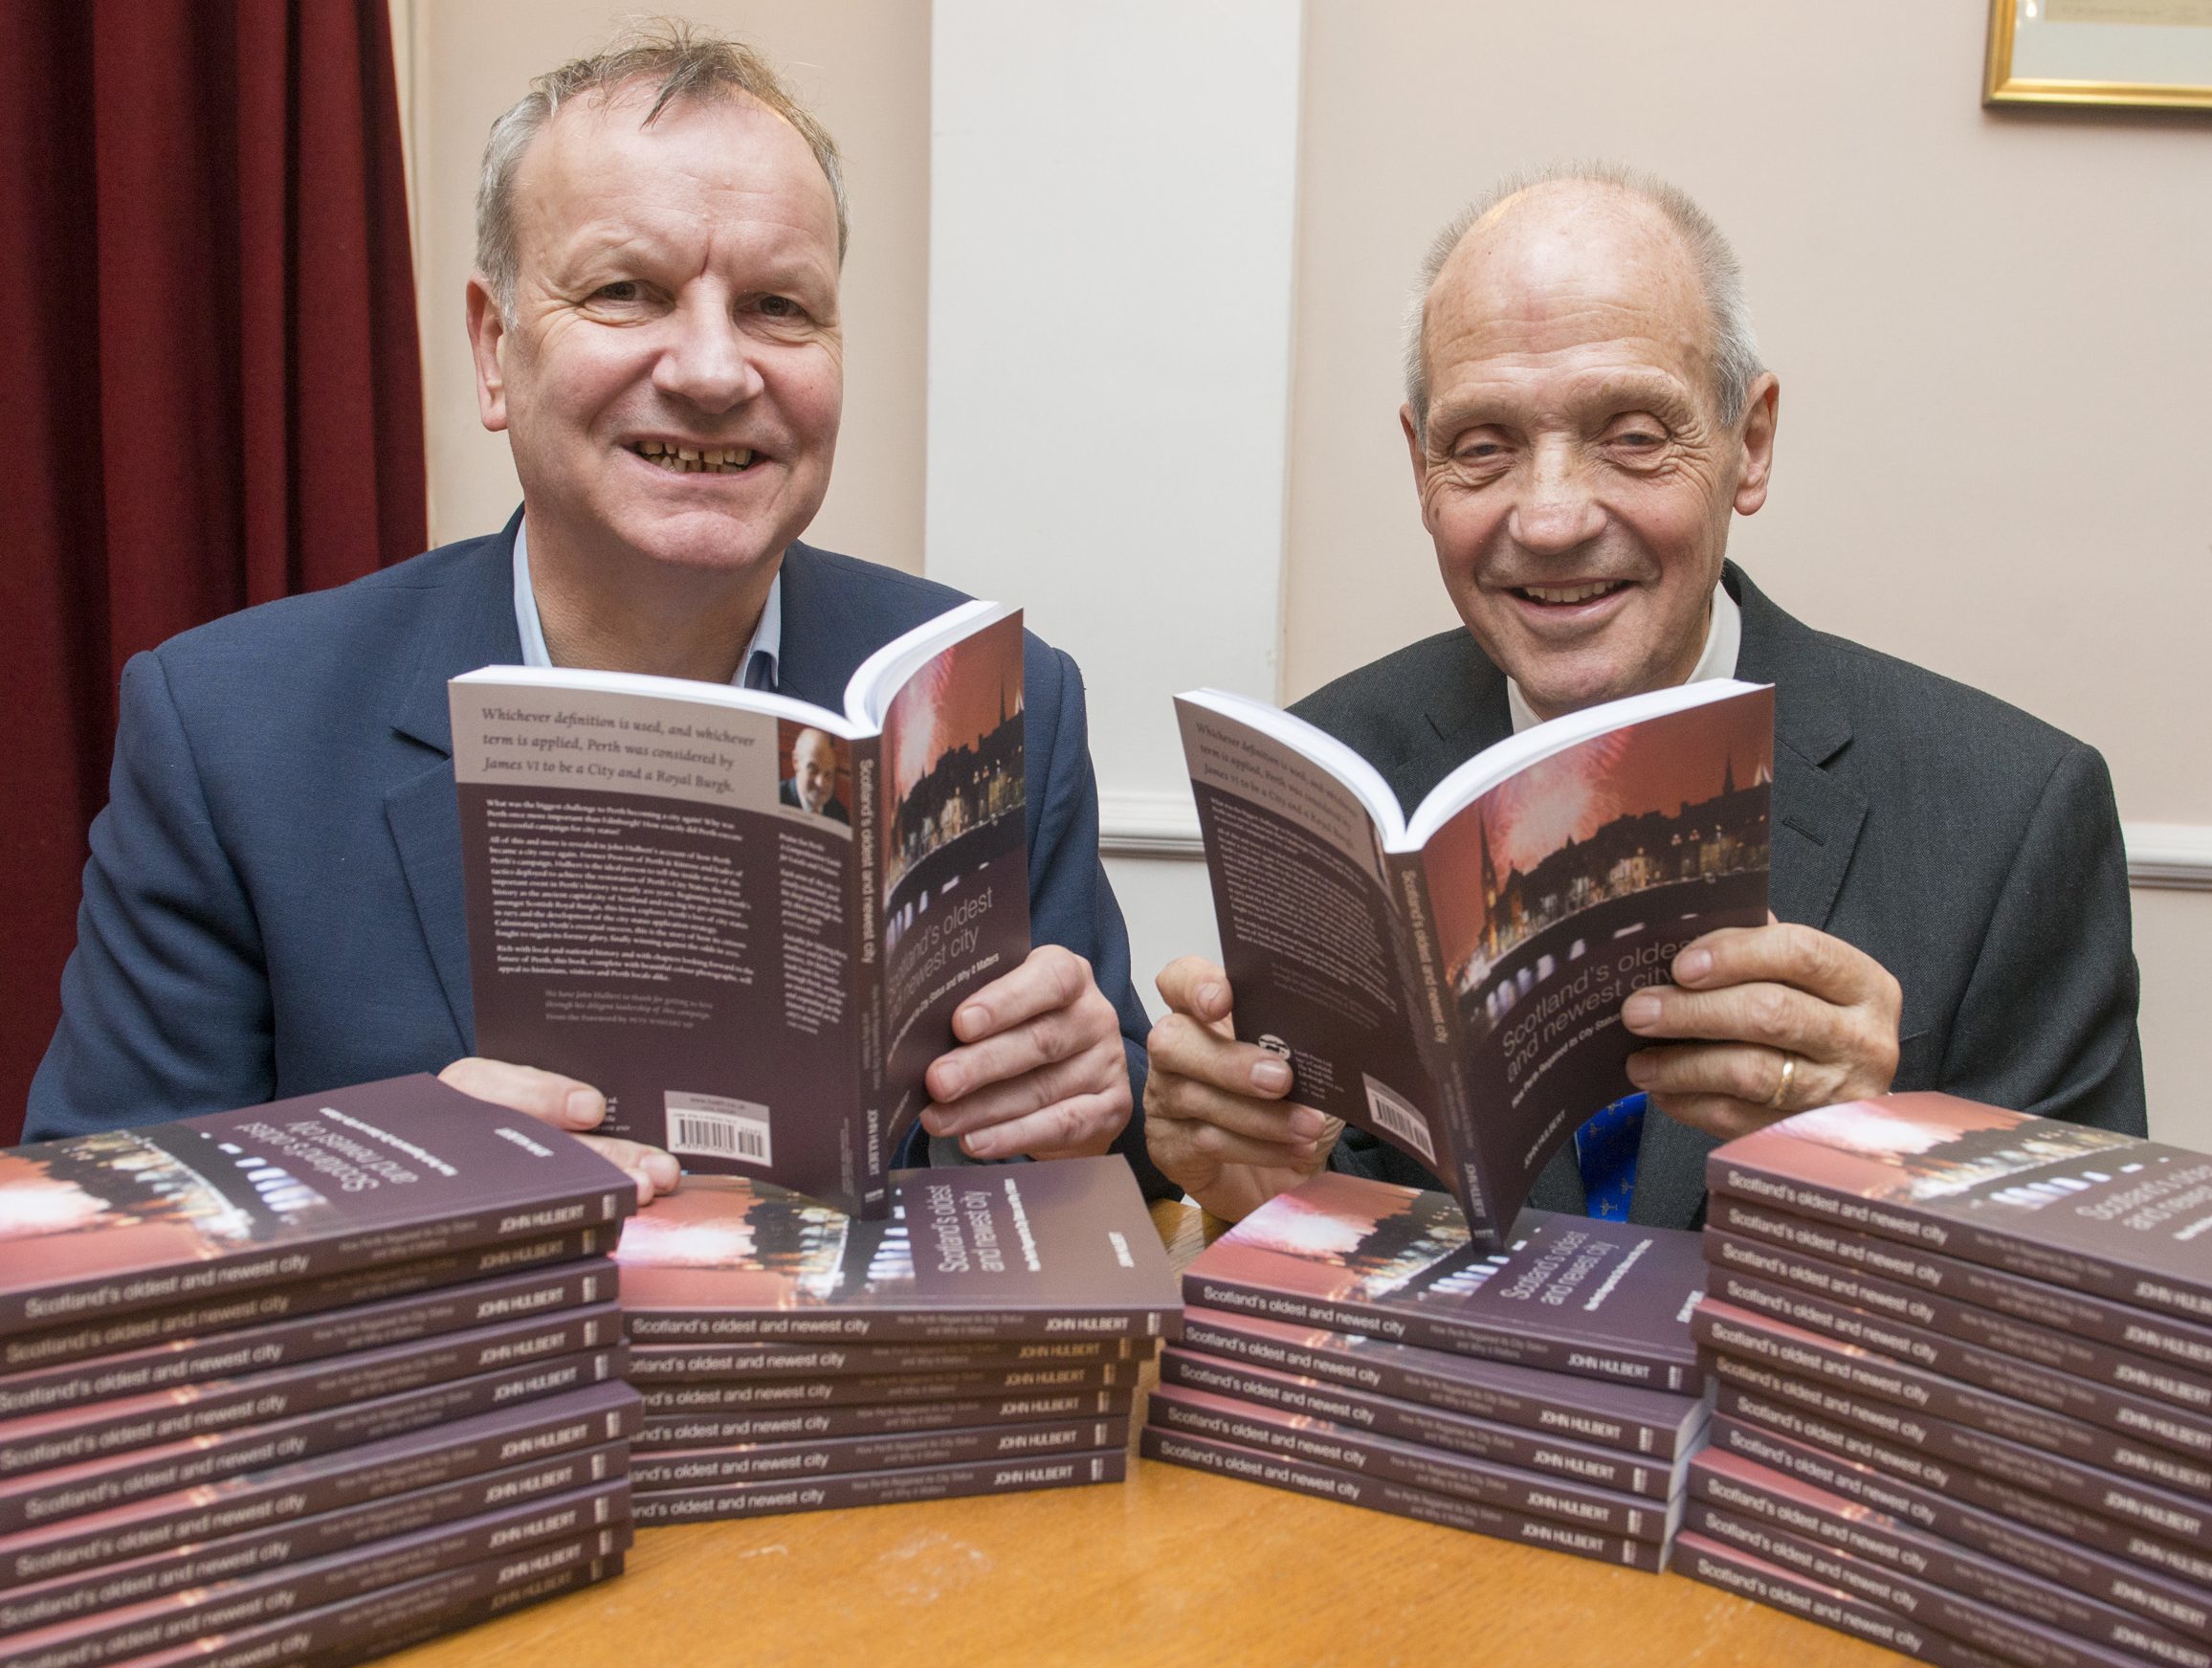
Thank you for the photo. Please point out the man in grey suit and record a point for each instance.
(1585, 411)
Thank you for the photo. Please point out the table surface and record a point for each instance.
(1172, 1567)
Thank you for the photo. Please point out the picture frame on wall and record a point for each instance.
(2145, 54)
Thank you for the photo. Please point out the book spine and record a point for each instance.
(1909, 1556)
(1406, 1422)
(1736, 1572)
(101, 1428)
(2181, 1607)
(846, 1327)
(2032, 1258)
(680, 1362)
(109, 1336)
(1436, 1039)
(1463, 1476)
(2047, 1307)
(1376, 1494)
(874, 1053)
(1929, 1394)
(1930, 1606)
(1404, 1381)
(890, 1387)
(2028, 1493)
(43, 1496)
(1440, 1332)
(1935, 1351)
(776, 1461)
(759, 1499)
(711, 1429)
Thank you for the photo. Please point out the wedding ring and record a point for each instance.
(1781, 1092)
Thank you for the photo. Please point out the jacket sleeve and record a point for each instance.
(2048, 1021)
(1070, 901)
(165, 1002)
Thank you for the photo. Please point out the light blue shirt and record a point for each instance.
(756, 670)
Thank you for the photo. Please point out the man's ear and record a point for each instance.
(1762, 411)
(487, 340)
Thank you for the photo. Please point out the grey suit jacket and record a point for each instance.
(1972, 849)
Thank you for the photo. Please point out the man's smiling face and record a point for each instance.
(672, 373)
(1574, 473)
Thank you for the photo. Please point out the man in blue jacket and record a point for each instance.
(274, 903)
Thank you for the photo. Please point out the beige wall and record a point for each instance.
(862, 65)
(1992, 332)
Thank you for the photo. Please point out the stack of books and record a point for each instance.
(1347, 1340)
(305, 1383)
(1964, 1366)
(984, 1338)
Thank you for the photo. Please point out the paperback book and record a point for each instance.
(706, 1430)
(875, 1488)
(835, 1456)
(677, 1362)
(747, 919)
(1450, 979)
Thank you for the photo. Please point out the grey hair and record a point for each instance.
(680, 64)
(1735, 363)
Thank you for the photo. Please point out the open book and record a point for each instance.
(745, 918)
(1451, 981)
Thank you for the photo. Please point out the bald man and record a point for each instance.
(812, 784)
(1587, 411)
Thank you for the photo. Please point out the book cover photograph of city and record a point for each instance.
(733, 1242)
(1578, 882)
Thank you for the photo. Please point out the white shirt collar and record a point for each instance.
(767, 635)
(1723, 639)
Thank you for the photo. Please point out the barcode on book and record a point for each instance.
(718, 1127)
(1395, 1116)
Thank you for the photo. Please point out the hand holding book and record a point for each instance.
(568, 1106)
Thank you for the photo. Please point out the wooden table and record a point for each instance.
(1173, 1566)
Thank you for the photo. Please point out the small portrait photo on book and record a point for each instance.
(813, 771)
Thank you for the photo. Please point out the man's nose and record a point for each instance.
(1557, 509)
(708, 361)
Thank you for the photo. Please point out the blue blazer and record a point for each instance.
(273, 904)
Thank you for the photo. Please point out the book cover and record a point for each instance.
(1590, 1411)
(1513, 1445)
(978, 1253)
(683, 1468)
(129, 1219)
(2062, 1203)
(876, 1488)
(1401, 1500)
(677, 1362)
(1569, 1293)
(745, 918)
(1196, 1413)
(278, 1498)
(1450, 980)
(707, 1430)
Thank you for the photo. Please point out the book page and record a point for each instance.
(1302, 900)
(657, 893)
(1575, 884)
(953, 874)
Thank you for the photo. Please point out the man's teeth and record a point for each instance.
(696, 459)
(1568, 593)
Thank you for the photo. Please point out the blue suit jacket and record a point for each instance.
(273, 904)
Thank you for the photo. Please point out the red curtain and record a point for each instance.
(208, 370)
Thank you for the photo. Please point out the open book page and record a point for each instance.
(659, 876)
(952, 878)
(1310, 934)
(1575, 882)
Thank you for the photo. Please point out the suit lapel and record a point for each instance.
(468, 622)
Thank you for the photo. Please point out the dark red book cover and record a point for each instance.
(1877, 1549)
(707, 1430)
(724, 1361)
(387, 1172)
(1221, 1418)
(876, 1488)
(1401, 1500)
(695, 1396)
(1511, 1445)
(1589, 1411)
(1604, 1300)
(2074, 1206)
(2173, 1602)
(767, 1461)
(1062, 1250)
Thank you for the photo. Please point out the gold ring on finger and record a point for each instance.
(1775, 1102)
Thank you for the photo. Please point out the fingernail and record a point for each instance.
(972, 1018)
(1693, 965)
(1270, 1076)
(1308, 1123)
(976, 1147)
(1638, 1071)
(585, 1108)
(1641, 1009)
(947, 1083)
(1210, 994)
